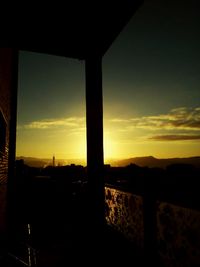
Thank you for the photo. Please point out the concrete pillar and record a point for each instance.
(150, 224)
(11, 196)
(94, 122)
(8, 101)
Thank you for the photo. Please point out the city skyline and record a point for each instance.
(150, 90)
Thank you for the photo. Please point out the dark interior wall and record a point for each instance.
(6, 61)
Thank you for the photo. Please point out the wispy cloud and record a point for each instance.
(177, 137)
(180, 118)
(120, 120)
(71, 122)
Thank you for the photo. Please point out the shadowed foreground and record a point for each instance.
(70, 242)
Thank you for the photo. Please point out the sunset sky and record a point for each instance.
(151, 91)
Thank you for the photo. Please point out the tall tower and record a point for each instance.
(54, 161)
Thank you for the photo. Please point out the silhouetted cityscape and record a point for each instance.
(63, 191)
(176, 181)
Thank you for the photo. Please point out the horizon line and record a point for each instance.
(119, 158)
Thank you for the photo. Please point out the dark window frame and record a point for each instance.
(3, 126)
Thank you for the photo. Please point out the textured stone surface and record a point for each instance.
(5, 109)
(124, 212)
(178, 228)
(178, 235)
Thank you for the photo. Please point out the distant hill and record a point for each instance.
(148, 161)
(41, 163)
(155, 162)
(35, 162)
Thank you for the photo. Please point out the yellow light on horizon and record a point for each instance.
(110, 148)
(80, 148)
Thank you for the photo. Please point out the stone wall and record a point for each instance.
(124, 212)
(5, 115)
(178, 228)
(178, 235)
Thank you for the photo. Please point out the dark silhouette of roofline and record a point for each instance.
(81, 33)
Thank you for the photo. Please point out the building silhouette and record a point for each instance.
(54, 161)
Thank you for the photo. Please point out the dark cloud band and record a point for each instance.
(174, 137)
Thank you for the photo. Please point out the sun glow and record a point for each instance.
(80, 148)
(110, 147)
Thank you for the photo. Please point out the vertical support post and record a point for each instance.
(150, 224)
(11, 209)
(94, 123)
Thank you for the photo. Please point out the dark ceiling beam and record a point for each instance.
(81, 33)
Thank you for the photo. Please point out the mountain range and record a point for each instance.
(148, 161)
(41, 163)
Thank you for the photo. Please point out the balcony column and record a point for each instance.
(150, 222)
(11, 81)
(94, 123)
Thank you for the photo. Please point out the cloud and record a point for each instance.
(120, 120)
(71, 122)
(180, 118)
(177, 137)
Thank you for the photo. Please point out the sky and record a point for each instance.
(151, 91)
